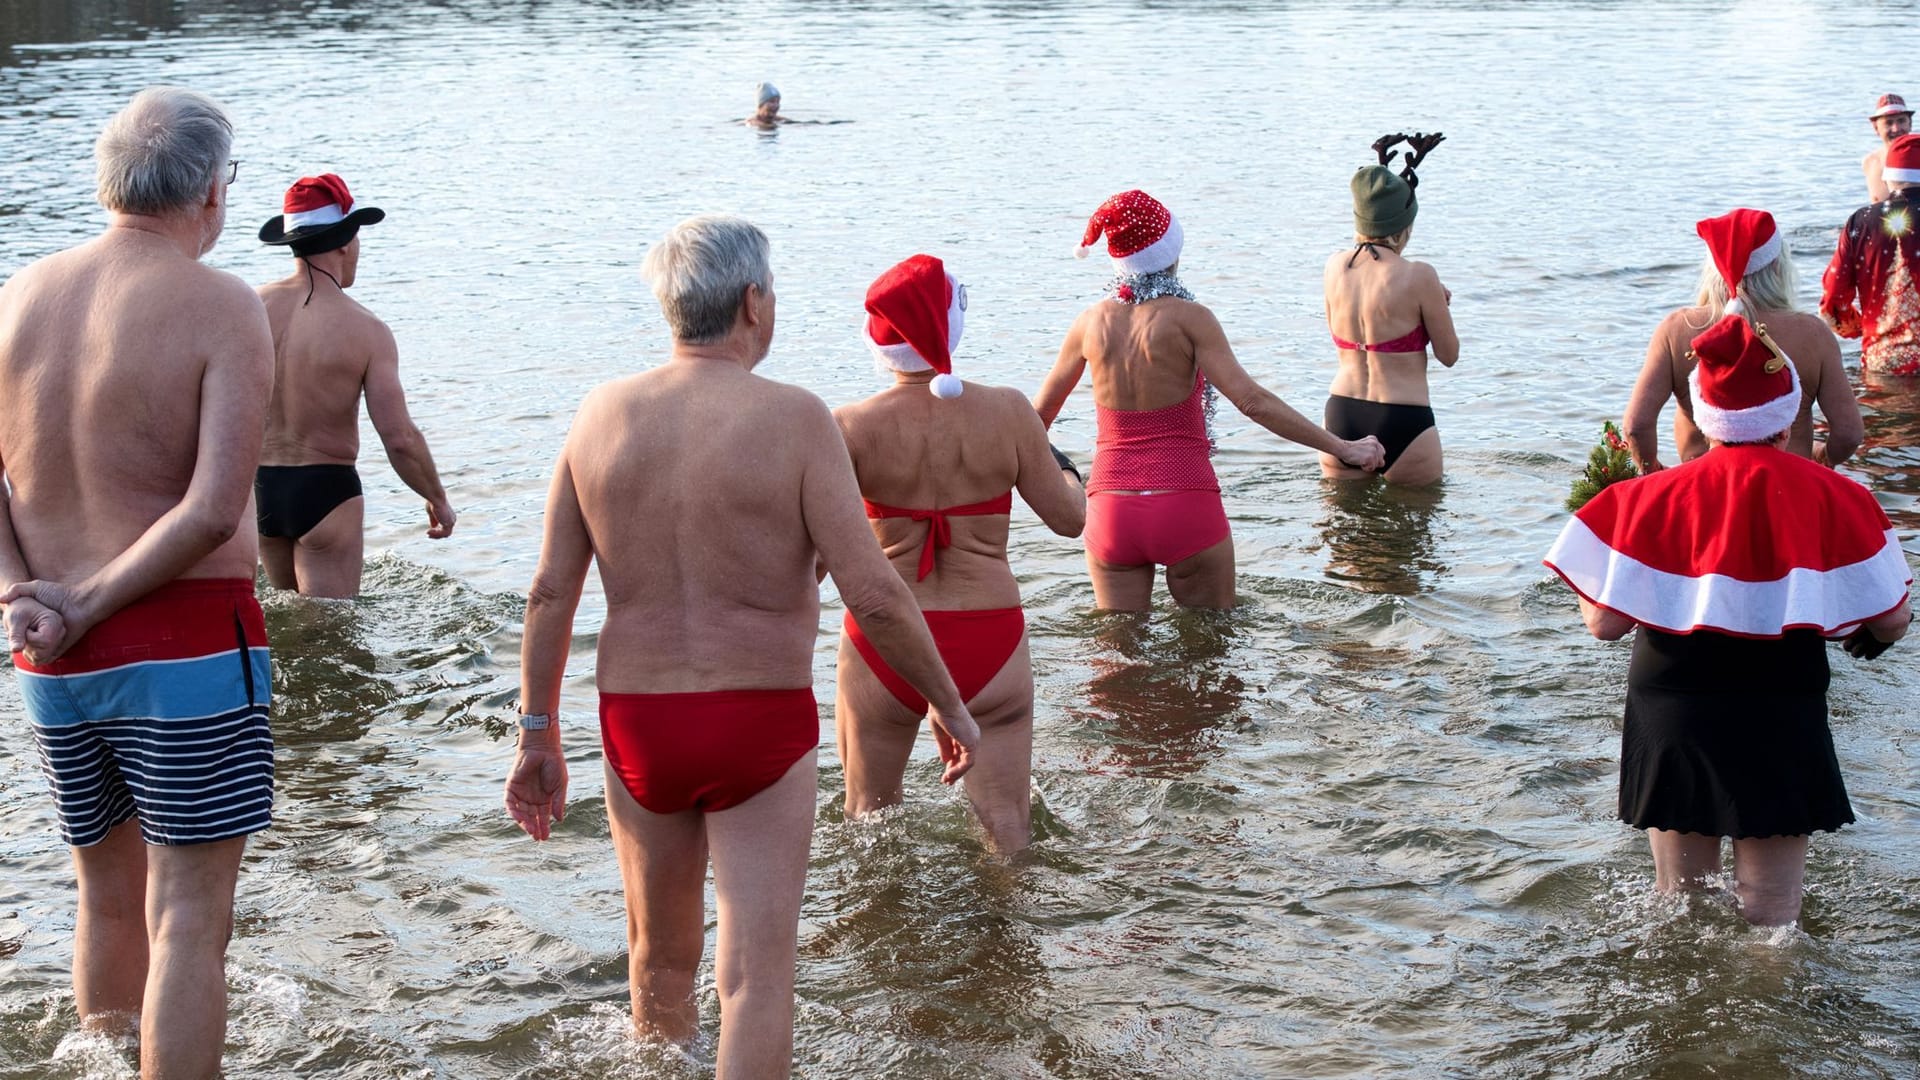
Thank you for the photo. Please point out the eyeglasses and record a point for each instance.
(963, 296)
(233, 169)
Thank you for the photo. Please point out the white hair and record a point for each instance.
(700, 268)
(162, 153)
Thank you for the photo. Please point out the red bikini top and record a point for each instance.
(939, 531)
(1412, 342)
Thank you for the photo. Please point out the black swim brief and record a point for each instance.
(289, 500)
(1396, 426)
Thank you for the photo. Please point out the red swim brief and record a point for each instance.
(974, 645)
(706, 751)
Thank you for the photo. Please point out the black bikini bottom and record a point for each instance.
(1396, 426)
(289, 500)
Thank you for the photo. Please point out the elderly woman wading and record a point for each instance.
(1735, 567)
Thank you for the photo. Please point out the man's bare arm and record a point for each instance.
(406, 447)
(31, 627)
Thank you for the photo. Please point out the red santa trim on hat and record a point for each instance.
(315, 200)
(1142, 234)
(916, 312)
(1740, 242)
(1902, 164)
(1743, 391)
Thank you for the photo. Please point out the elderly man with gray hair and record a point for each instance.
(136, 383)
(708, 495)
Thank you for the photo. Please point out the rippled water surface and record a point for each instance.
(1359, 827)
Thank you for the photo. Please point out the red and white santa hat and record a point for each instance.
(1743, 391)
(1740, 242)
(318, 214)
(915, 314)
(1903, 160)
(1142, 235)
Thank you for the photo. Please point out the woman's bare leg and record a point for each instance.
(876, 735)
(1683, 860)
(1768, 877)
(1420, 463)
(1204, 580)
(1120, 588)
(759, 878)
(1000, 785)
(663, 867)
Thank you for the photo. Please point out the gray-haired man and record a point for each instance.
(136, 383)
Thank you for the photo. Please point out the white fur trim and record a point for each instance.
(1735, 306)
(947, 386)
(1834, 601)
(901, 357)
(1765, 253)
(1081, 252)
(1901, 176)
(1158, 255)
(1745, 425)
(325, 215)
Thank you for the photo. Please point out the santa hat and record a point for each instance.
(1740, 242)
(318, 214)
(1142, 235)
(1889, 105)
(1745, 389)
(915, 313)
(1903, 160)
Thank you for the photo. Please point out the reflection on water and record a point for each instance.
(1379, 536)
(1161, 690)
(1889, 457)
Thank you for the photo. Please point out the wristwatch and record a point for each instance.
(535, 721)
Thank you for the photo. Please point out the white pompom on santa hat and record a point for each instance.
(915, 314)
(1740, 242)
(1743, 390)
(1142, 234)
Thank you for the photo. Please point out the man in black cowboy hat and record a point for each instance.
(328, 350)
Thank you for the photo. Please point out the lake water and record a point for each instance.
(1359, 827)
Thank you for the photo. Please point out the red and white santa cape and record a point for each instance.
(1747, 540)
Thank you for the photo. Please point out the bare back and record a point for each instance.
(1804, 338)
(912, 450)
(321, 352)
(1380, 300)
(1142, 356)
(691, 481)
(107, 352)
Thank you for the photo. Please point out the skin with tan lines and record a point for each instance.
(137, 381)
(1816, 359)
(1380, 300)
(1888, 128)
(329, 351)
(911, 449)
(706, 494)
(1143, 356)
(1768, 871)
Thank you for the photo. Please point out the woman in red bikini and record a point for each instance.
(1157, 357)
(1373, 296)
(937, 471)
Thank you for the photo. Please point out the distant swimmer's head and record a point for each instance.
(766, 101)
(1142, 235)
(711, 274)
(1745, 390)
(318, 215)
(1745, 250)
(1384, 204)
(915, 314)
(1890, 117)
(165, 153)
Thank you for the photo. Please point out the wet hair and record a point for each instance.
(1772, 287)
(161, 153)
(698, 271)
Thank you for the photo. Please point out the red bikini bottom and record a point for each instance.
(975, 645)
(706, 751)
(1162, 528)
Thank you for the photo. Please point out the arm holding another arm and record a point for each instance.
(406, 447)
(1262, 406)
(1058, 496)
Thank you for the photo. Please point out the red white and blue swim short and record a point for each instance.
(160, 712)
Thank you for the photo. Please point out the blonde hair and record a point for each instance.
(1771, 288)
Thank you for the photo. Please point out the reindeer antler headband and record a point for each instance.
(1420, 145)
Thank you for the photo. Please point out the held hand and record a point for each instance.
(1365, 454)
(41, 622)
(1862, 645)
(1448, 293)
(440, 519)
(957, 736)
(1820, 453)
(537, 789)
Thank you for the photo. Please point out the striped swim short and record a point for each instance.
(160, 712)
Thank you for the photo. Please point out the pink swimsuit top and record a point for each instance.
(1154, 449)
(1412, 342)
(939, 530)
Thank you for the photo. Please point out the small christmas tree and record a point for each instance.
(1609, 463)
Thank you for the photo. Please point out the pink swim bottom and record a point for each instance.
(1162, 528)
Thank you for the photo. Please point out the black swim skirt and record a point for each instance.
(1728, 736)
